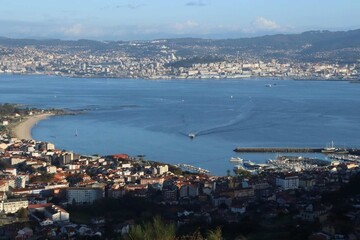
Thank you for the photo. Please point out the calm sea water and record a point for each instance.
(154, 117)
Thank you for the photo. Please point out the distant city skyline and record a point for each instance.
(152, 19)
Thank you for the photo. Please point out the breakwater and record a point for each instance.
(354, 151)
(277, 149)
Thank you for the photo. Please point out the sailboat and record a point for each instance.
(329, 149)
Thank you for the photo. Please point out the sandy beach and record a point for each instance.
(23, 129)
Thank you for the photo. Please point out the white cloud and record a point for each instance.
(78, 30)
(262, 23)
(85, 28)
(74, 30)
(186, 26)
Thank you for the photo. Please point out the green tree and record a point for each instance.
(74, 178)
(157, 229)
(242, 173)
(23, 213)
(215, 234)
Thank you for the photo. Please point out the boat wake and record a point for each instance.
(245, 113)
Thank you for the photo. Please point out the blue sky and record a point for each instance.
(151, 19)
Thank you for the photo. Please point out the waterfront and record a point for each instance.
(155, 117)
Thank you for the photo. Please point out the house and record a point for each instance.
(151, 180)
(219, 200)
(24, 233)
(11, 171)
(247, 192)
(20, 181)
(3, 147)
(238, 208)
(46, 222)
(51, 169)
(48, 213)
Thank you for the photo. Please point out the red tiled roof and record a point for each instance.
(43, 205)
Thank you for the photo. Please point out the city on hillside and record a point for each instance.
(58, 194)
(310, 55)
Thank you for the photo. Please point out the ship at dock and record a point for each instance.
(237, 160)
(247, 165)
(332, 149)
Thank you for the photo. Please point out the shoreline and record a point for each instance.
(22, 130)
(295, 78)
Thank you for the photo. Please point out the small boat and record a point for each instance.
(192, 135)
(236, 160)
(76, 133)
(268, 85)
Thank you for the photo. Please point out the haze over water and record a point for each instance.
(154, 117)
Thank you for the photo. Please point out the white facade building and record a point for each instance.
(287, 182)
(84, 195)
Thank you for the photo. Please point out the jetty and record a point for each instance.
(354, 151)
(277, 150)
(192, 168)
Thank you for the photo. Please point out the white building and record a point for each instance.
(50, 146)
(51, 169)
(12, 205)
(11, 170)
(162, 169)
(84, 195)
(189, 191)
(287, 182)
(49, 213)
(20, 181)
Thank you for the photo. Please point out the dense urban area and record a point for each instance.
(310, 55)
(48, 193)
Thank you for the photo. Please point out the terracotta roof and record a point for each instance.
(43, 205)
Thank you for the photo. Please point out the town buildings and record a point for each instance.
(36, 175)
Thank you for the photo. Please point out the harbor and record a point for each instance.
(281, 164)
(297, 150)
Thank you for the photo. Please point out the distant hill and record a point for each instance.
(326, 46)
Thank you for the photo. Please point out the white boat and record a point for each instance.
(330, 148)
(192, 135)
(236, 160)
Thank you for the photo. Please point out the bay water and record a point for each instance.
(154, 117)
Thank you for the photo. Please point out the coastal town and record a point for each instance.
(164, 63)
(48, 193)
